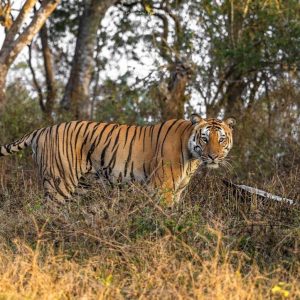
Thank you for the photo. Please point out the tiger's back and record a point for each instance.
(135, 152)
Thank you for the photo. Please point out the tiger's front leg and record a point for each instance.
(167, 179)
(168, 194)
(173, 178)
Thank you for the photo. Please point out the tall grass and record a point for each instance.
(121, 243)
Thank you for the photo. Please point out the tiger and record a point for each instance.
(162, 156)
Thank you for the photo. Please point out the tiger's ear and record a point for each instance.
(231, 122)
(195, 118)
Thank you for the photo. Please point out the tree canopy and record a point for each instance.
(213, 57)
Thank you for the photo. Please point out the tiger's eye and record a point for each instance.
(221, 140)
(205, 140)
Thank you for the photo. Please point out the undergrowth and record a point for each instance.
(121, 243)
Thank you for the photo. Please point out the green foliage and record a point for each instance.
(122, 104)
(144, 226)
(267, 138)
(22, 114)
(65, 19)
(252, 34)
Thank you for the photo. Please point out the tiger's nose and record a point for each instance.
(212, 156)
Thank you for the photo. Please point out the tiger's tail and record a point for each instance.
(18, 145)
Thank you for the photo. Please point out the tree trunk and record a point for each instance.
(233, 97)
(172, 94)
(49, 73)
(3, 74)
(16, 38)
(76, 97)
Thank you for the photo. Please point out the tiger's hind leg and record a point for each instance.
(57, 190)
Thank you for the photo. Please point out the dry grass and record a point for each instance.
(116, 244)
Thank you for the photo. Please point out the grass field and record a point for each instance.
(122, 244)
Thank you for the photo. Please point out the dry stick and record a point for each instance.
(254, 191)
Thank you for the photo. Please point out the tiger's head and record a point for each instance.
(211, 140)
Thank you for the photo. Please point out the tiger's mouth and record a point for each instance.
(212, 165)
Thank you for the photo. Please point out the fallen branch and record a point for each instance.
(248, 190)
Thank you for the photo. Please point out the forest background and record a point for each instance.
(144, 62)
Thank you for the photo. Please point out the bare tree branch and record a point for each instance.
(15, 28)
(49, 72)
(164, 47)
(11, 48)
(17, 39)
(35, 82)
